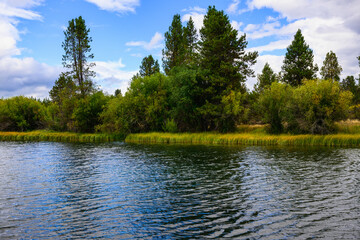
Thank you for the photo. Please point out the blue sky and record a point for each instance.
(125, 31)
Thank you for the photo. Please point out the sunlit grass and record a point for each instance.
(247, 139)
(58, 137)
(348, 135)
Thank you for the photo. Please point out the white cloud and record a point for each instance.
(21, 76)
(325, 25)
(233, 7)
(120, 6)
(197, 14)
(110, 76)
(26, 76)
(155, 42)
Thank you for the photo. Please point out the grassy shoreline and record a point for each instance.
(51, 136)
(338, 140)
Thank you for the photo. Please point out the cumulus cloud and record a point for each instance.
(197, 14)
(326, 25)
(155, 42)
(21, 76)
(110, 76)
(120, 6)
(26, 76)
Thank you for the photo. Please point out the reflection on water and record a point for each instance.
(116, 190)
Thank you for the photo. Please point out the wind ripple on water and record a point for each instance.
(52, 190)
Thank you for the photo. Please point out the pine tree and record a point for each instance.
(223, 53)
(298, 62)
(331, 68)
(174, 52)
(265, 79)
(191, 42)
(149, 66)
(77, 52)
(225, 66)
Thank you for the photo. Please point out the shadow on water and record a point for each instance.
(118, 190)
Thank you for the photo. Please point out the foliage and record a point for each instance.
(273, 104)
(63, 96)
(265, 79)
(170, 126)
(331, 68)
(77, 52)
(298, 62)
(349, 84)
(149, 66)
(86, 115)
(316, 105)
(22, 114)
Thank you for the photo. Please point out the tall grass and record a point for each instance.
(247, 139)
(58, 137)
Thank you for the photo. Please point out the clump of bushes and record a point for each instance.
(313, 107)
(22, 114)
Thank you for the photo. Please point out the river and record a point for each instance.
(127, 191)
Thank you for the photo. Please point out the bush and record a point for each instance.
(170, 126)
(22, 114)
(316, 105)
(273, 105)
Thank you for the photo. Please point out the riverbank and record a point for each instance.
(50, 136)
(341, 140)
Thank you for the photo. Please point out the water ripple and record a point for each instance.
(124, 191)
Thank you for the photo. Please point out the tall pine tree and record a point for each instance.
(77, 53)
(331, 68)
(298, 62)
(191, 42)
(225, 66)
(174, 51)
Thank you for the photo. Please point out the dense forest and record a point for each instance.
(202, 88)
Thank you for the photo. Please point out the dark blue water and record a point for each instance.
(124, 191)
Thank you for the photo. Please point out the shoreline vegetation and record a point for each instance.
(348, 135)
(51, 136)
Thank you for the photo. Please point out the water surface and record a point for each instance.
(126, 191)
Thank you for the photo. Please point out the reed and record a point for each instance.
(340, 140)
(58, 137)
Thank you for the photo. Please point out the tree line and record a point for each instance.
(202, 88)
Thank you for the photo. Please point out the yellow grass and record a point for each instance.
(57, 137)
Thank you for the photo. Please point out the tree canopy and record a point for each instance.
(298, 62)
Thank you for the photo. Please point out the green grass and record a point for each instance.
(348, 135)
(246, 139)
(58, 137)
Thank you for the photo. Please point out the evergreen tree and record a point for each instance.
(174, 52)
(191, 40)
(77, 52)
(149, 66)
(225, 66)
(265, 79)
(298, 62)
(331, 68)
